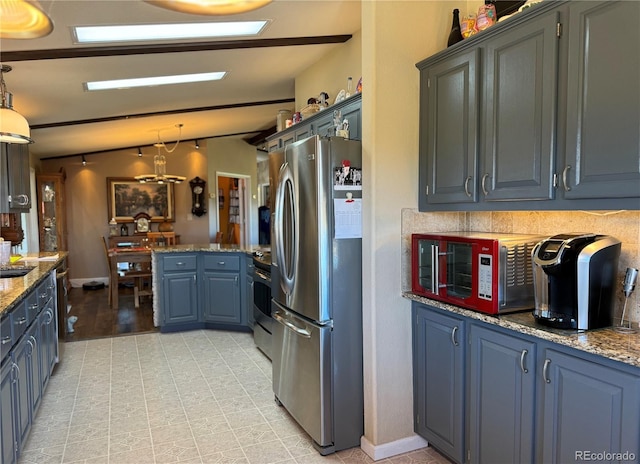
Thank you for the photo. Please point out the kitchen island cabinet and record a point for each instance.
(535, 129)
(529, 399)
(201, 289)
(179, 289)
(222, 289)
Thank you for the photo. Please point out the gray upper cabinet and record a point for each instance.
(603, 101)
(322, 123)
(520, 93)
(554, 122)
(449, 118)
(15, 178)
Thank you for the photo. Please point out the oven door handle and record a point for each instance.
(262, 275)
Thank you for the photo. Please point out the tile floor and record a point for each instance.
(190, 397)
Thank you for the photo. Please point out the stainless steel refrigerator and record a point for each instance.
(316, 288)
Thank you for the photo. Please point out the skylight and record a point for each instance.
(173, 31)
(153, 81)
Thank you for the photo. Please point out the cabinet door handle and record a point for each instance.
(545, 371)
(19, 200)
(220, 263)
(522, 356)
(466, 186)
(482, 183)
(21, 321)
(6, 340)
(565, 171)
(453, 336)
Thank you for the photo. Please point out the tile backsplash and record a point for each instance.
(623, 225)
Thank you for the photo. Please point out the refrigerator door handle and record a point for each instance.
(286, 253)
(291, 326)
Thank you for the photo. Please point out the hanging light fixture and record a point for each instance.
(210, 7)
(197, 145)
(14, 128)
(160, 175)
(23, 19)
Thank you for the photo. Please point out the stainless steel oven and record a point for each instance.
(262, 302)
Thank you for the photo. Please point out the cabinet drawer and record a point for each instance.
(19, 320)
(44, 291)
(32, 305)
(222, 262)
(180, 263)
(6, 341)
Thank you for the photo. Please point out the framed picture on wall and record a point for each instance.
(127, 197)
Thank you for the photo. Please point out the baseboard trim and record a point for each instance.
(80, 282)
(393, 448)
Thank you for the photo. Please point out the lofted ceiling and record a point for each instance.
(48, 74)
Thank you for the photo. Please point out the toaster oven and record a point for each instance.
(487, 272)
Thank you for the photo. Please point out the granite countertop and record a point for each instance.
(14, 289)
(211, 247)
(605, 342)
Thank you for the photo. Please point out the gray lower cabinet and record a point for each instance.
(528, 399)
(8, 414)
(502, 373)
(587, 407)
(248, 298)
(27, 367)
(439, 342)
(202, 290)
(180, 298)
(603, 114)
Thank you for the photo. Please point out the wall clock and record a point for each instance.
(142, 222)
(197, 196)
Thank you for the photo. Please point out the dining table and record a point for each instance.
(139, 257)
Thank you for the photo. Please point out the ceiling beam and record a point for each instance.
(123, 50)
(160, 113)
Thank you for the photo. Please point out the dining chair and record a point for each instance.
(169, 238)
(137, 277)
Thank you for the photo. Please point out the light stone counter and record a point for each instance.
(14, 289)
(606, 342)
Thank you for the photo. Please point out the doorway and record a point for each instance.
(234, 192)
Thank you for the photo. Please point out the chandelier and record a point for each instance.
(160, 175)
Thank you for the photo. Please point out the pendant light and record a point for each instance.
(160, 175)
(23, 19)
(14, 128)
(210, 7)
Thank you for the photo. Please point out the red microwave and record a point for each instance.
(487, 272)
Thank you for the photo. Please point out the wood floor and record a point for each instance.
(97, 320)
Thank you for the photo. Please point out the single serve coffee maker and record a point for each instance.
(574, 278)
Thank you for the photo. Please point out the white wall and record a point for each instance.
(331, 72)
(395, 36)
(230, 155)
